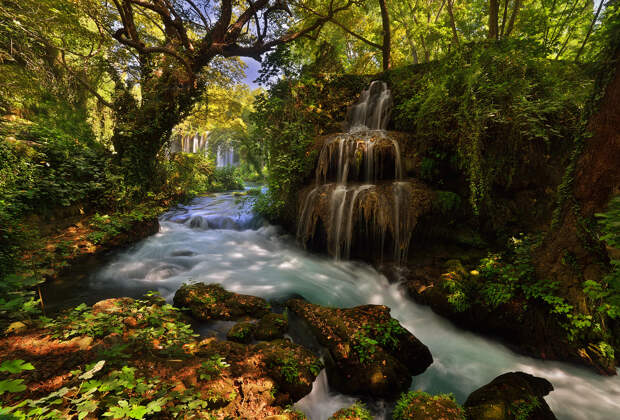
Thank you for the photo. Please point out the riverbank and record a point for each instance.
(127, 358)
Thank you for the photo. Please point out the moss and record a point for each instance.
(241, 332)
(355, 412)
(417, 405)
(270, 327)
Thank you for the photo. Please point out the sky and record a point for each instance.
(251, 73)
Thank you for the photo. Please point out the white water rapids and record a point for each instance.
(216, 239)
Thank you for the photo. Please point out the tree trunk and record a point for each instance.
(143, 128)
(493, 18)
(585, 40)
(504, 17)
(513, 17)
(387, 41)
(455, 35)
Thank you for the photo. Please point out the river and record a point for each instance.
(217, 239)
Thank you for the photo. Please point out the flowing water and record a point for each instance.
(365, 165)
(217, 239)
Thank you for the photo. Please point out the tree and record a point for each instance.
(169, 46)
(493, 19)
(386, 47)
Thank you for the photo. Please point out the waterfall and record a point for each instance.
(190, 143)
(359, 191)
(225, 156)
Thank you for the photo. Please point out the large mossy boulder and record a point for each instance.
(271, 327)
(417, 405)
(511, 396)
(211, 301)
(366, 350)
(282, 369)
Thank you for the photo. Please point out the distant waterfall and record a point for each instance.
(226, 156)
(190, 143)
(359, 196)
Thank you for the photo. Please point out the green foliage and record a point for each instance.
(369, 336)
(447, 202)
(18, 300)
(189, 174)
(512, 277)
(289, 368)
(356, 411)
(496, 107)
(119, 394)
(364, 346)
(412, 401)
(15, 366)
(286, 120)
(212, 368)
(606, 295)
(226, 179)
(159, 324)
(522, 409)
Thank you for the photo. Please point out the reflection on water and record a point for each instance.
(217, 239)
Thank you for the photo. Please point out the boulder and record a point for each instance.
(417, 405)
(211, 301)
(241, 332)
(113, 305)
(271, 327)
(285, 371)
(511, 396)
(355, 412)
(366, 350)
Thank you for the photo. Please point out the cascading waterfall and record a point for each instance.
(190, 143)
(359, 190)
(225, 156)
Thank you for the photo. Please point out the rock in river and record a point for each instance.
(211, 301)
(366, 350)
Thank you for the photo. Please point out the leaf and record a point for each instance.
(15, 366)
(89, 374)
(12, 385)
(138, 412)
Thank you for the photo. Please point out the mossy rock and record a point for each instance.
(241, 332)
(417, 405)
(355, 412)
(292, 367)
(211, 301)
(367, 351)
(271, 327)
(511, 396)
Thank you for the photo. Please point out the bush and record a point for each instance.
(226, 179)
(499, 108)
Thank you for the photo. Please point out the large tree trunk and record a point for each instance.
(493, 18)
(387, 40)
(143, 127)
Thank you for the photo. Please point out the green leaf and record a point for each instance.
(12, 385)
(15, 366)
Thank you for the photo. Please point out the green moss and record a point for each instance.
(357, 411)
(241, 332)
(417, 405)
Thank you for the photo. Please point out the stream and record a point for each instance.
(218, 239)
